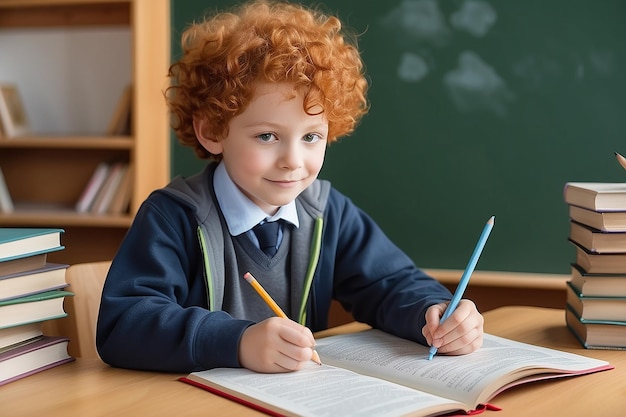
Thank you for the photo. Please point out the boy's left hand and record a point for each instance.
(461, 333)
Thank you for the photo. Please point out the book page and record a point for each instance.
(323, 391)
(472, 379)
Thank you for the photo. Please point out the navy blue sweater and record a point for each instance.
(154, 311)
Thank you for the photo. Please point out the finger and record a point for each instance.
(434, 313)
(467, 343)
(297, 335)
(296, 345)
(465, 311)
(287, 363)
(465, 336)
(293, 360)
(432, 316)
(464, 320)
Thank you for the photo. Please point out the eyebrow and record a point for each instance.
(271, 125)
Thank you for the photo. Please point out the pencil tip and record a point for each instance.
(316, 358)
(431, 353)
(621, 159)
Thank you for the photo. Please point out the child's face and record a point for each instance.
(274, 149)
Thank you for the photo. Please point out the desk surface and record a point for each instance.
(91, 388)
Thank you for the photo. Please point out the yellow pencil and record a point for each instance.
(621, 160)
(275, 307)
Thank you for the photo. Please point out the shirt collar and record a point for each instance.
(240, 213)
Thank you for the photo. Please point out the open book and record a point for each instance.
(372, 373)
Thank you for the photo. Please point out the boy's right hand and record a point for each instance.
(276, 345)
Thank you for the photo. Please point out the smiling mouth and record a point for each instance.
(285, 181)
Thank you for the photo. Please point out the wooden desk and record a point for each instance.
(91, 388)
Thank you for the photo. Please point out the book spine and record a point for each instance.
(6, 203)
(109, 188)
(92, 188)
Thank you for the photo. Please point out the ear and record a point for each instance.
(207, 140)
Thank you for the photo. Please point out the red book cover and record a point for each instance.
(231, 397)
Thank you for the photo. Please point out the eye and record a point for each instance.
(311, 138)
(266, 137)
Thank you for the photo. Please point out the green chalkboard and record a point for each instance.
(478, 108)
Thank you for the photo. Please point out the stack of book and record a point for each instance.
(31, 292)
(596, 293)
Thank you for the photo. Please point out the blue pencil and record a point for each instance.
(458, 294)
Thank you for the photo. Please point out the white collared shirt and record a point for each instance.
(240, 213)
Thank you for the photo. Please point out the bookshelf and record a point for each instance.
(46, 173)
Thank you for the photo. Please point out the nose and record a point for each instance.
(292, 155)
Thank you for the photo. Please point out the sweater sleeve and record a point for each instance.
(153, 312)
(374, 279)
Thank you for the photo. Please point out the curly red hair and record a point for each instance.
(226, 55)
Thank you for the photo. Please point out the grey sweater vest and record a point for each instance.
(227, 257)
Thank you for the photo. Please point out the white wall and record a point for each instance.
(69, 79)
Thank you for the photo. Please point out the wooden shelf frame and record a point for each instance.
(64, 142)
(46, 174)
(42, 13)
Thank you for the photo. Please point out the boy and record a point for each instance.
(262, 92)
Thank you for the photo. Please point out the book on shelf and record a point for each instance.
(20, 284)
(6, 202)
(371, 372)
(94, 184)
(22, 242)
(609, 221)
(11, 336)
(598, 284)
(597, 263)
(597, 307)
(29, 358)
(597, 196)
(26, 263)
(13, 116)
(595, 240)
(36, 307)
(596, 334)
(107, 191)
(121, 198)
(120, 122)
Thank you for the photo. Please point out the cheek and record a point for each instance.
(243, 156)
(316, 162)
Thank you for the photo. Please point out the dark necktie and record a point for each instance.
(267, 233)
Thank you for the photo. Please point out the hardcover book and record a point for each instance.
(595, 263)
(597, 196)
(33, 357)
(107, 190)
(24, 264)
(6, 202)
(37, 307)
(94, 185)
(121, 198)
(596, 308)
(371, 372)
(598, 284)
(49, 277)
(10, 336)
(597, 241)
(21, 242)
(610, 221)
(596, 334)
